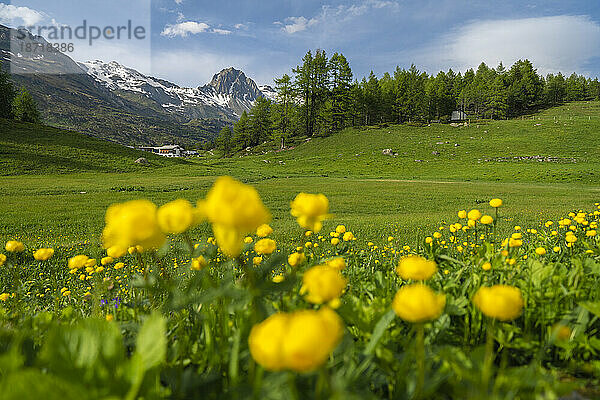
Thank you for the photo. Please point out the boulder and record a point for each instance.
(142, 161)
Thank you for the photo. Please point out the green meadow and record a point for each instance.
(56, 185)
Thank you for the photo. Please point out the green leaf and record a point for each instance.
(379, 330)
(594, 308)
(151, 344)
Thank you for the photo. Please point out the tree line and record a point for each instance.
(16, 104)
(322, 96)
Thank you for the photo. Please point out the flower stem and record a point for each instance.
(420, 356)
(486, 372)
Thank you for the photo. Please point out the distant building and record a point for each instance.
(458, 116)
(166, 151)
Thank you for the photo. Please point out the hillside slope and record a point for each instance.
(35, 149)
(556, 145)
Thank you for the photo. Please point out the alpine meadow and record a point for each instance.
(334, 232)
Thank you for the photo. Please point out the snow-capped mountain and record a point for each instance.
(227, 95)
(268, 92)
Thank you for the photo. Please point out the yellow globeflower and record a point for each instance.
(437, 235)
(418, 303)
(341, 229)
(248, 240)
(310, 210)
(119, 265)
(176, 216)
(348, 236)
(257, 260)
(496, 203)
(264, 230)
(300, 341)
(296, 259)
(311, 338)
(335, 241)
(132, 223)
(2, 259)
(78, 262)
(116, 251)
(515, 242)
(540, 251)
(4, 296)
(501, 302)
(486, 266)
(12, 246)
(416, 268)
(474, 215)
(322, 284)
(590, 233)
(198, 263)
(571, 238)
(462, 214)
(265, 246)
(487, 220)
(234, 210)
(337, 263)
(106, 260)
(43, 254)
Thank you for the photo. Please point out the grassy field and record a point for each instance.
(62, 182)
(487, 313)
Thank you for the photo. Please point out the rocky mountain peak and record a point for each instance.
(234, 82)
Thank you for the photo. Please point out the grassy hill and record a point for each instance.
(36, 149)
(556, 145)
(72, 179)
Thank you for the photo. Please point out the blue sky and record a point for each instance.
(191, 40)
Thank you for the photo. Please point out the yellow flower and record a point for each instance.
(462, 214)
(278, 278)
(109, 317)
(176, 216)
(43, 254)
(2, 259)
(341, 229)
(106, 260)
(486, 266)
(590, 233)
(562, 332)
(348, 236)
(571, 238)
(501, 302)
(198, 263)
(264, 230)
(257, 260)
(540, 251)
(132, 223)
(119, 265)
(12, 246)
(474, 215)
(90, 262)
(116, 251)
(437, 235)
(428, 240)
(335, 241)
(487, 220)
(99, 269)
(300, 341)
(78, 262)
(390, 238)
(310, 210)
(556, 249)
(418, 303)
(322, 284)
(296, 259)
(336, 263)
(248, 240)
(515, 242)
(265, 246)
(234, 210)
(496, 203)
(4, 296)
(416, 268)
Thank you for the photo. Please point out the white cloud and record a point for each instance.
(329, 15)
(19, 16)
(298, 24)
(183, 29)
(178, 1)
(220, 31)
(559, 43)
